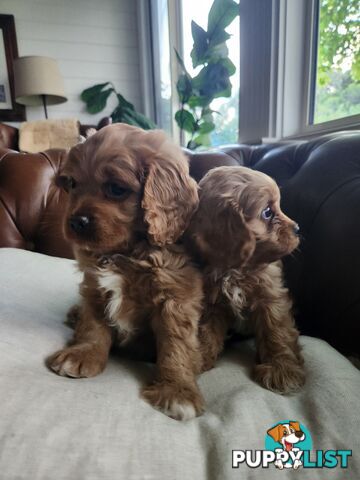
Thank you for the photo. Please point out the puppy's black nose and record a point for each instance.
(299, 434)
(79, 223)
(296, 229)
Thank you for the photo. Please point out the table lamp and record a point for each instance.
(38, 82)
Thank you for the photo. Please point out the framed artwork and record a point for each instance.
(9, 110)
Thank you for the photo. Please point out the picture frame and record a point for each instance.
(9, 110)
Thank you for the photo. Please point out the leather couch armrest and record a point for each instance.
(31, 204)
(9, 136)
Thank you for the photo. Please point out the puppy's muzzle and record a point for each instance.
(80, 224)
(296, 229)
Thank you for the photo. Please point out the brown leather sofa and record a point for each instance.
(320, 183)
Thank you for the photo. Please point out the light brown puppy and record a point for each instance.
(239, 232)
(130, 198)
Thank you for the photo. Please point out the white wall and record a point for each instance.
(93, 41)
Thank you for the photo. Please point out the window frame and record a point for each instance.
(311, 32)
(146, 58)
(285, 112)
(150, 58)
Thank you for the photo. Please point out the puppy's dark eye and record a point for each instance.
(66, 183)
(114, 190)
(267, 214)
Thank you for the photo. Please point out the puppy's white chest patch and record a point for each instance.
(234, 293)
(237, 299)
(112, 284)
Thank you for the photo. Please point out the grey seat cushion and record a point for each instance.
(100, 429)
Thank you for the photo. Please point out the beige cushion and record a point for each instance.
(99, 429)
(41, 135)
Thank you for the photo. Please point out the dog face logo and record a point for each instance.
(287, 435)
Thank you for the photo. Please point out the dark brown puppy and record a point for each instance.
(240, 233)
(130, 198)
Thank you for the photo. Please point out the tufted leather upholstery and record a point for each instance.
(9, 136)
(320, 183)
(30, 203)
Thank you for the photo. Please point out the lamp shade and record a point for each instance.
(36, 76)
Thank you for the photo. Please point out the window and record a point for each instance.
(311, 85)
(336, 93)
(299, 71)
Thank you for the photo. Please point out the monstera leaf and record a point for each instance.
(184, 88)
(96, 98)
(201, 44)
(185, 120)
(222, 13)
(213, 80)
(132, 117)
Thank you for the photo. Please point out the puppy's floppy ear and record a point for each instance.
(295, 426)
(276, 432)
(170, 198)
(222, 235)
(73, 155)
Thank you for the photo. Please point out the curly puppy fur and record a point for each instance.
(240, 234)
(130, 197)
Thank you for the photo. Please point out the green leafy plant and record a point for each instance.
(338, 60)
(96, 98)
(339, 38)
(213, 80)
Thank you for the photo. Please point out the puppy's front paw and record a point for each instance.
(112, 260)
(77, 361)
(73, 316)
(280, 377)
(104, 261)
(176, 401)
(207, 363)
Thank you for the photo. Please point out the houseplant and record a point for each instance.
(96, 98)
(195, 115)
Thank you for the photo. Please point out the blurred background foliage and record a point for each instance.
(338, 60)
